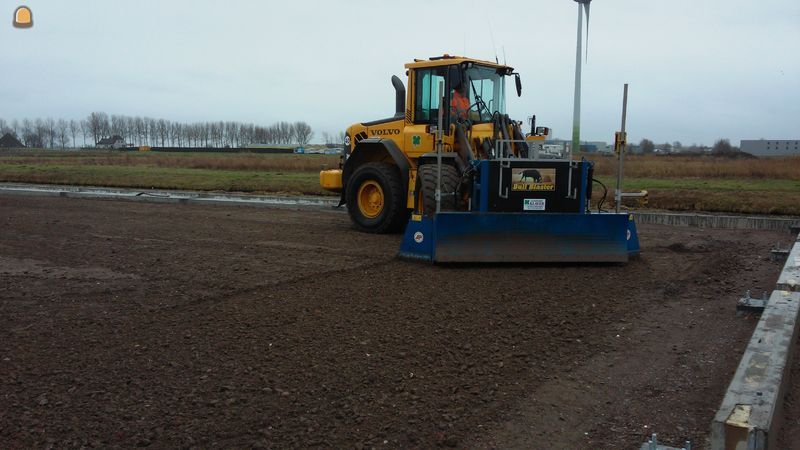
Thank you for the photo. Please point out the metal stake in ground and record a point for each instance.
(620, 144)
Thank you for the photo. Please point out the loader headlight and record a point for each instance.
(347, 140)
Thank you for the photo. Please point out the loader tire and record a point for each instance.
(426, 188)
(376, 200)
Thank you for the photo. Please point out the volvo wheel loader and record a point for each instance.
(465, 181)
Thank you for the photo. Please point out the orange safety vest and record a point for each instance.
(459, 106)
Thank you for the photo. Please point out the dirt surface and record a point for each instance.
(133, 324)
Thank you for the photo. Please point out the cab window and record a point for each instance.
(486, 93)
(428, 96)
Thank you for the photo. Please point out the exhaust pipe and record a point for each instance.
(400, 97)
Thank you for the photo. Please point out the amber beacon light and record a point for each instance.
(23, 17)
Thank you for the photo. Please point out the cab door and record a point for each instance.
(424, 107)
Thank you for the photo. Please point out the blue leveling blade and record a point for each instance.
(520, 237)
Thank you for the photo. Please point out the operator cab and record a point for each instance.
(480, 83)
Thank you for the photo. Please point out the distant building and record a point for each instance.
(586, 146)
(763, 147)
(115, 142)
(9, 141)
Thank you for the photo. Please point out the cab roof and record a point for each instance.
(448, 60)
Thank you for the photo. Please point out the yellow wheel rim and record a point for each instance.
(370, 199)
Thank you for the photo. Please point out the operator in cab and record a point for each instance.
(459, 104)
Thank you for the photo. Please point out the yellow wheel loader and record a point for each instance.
(377, 177)
(464, 181)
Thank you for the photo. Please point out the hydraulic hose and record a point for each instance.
(522, 147)
(466, 152)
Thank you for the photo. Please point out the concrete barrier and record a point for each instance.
(789, 279)
(715, 221)
(749, 417)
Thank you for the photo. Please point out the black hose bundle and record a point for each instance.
(605, 194)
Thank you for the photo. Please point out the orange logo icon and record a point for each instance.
(23, 18)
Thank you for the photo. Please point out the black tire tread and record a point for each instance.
(396, 215)
(426, 176)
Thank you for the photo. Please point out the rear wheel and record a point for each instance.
(376, 198)
(426, 188)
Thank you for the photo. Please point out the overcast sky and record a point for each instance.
(698, 69)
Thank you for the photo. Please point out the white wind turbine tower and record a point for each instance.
(576, 114)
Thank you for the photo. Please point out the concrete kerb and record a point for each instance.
(167, 196)
(750, 414)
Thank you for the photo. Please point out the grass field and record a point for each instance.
(765, 186)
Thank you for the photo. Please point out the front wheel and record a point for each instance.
(376, 198)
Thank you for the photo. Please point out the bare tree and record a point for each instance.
(86, 130)
(139, 130)
(162, 128)
(26, 134)
(62, 135)
(302, 133)
(177, 133)
(285, 132)
(152, 131)
(129, 124)
(214, 132)
(74, 127)
(98, 125)
(51, 131)
(33, 133)
(204, 132)
(40, 129)
(118, 126)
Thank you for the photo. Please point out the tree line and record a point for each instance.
(137, 131)
(720, 147)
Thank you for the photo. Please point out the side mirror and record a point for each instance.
(518, 82)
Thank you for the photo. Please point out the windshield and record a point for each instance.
(486, 93)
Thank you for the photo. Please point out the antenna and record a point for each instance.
(576, 114)
(504, 54)
(494, 47)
